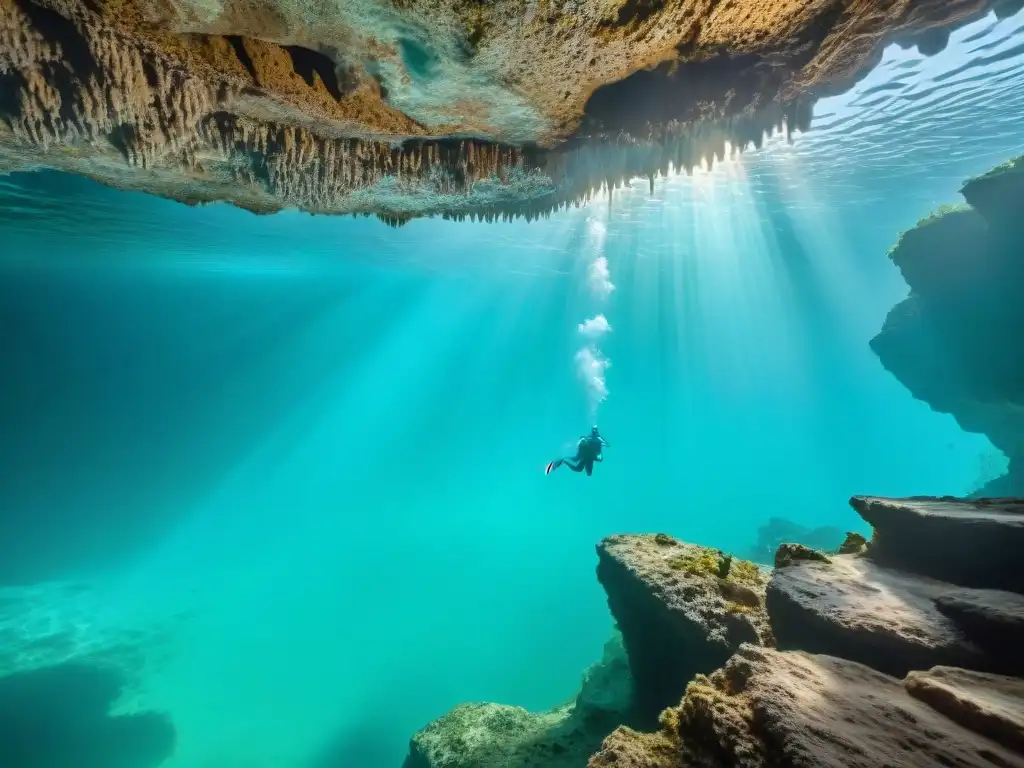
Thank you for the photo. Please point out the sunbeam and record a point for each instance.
(308, 453)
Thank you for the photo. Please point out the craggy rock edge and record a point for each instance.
(404, 108)
(954, 342)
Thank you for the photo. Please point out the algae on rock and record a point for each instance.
(788, 554)
(485, 735)
(677, 615)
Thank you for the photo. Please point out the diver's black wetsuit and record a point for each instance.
(588, 450)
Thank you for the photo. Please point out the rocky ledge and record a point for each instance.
(976, 543)
(682, 609)
(954, 342)
(847, 627)
(893, 651)
(770, 708)
(419, 107)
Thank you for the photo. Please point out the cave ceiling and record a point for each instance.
(405, 108)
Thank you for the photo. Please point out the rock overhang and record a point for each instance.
(405, 108)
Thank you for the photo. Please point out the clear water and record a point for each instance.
(301, 458)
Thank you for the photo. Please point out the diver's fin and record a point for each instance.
(552, 466)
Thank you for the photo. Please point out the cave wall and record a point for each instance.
(956, 341)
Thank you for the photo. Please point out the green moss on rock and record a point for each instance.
(789, 554)
(703, 561)
(996, 195)
(943, 210)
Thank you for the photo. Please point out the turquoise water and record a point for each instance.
(304, 456)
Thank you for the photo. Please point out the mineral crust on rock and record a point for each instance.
(418, 107)
(771, 708)
(677, 613)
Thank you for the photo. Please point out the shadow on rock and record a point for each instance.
(57, 717)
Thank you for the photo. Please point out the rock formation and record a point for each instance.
(419, 107)
(497, 736)
(769, 708)
(880, 613)
(974, 543)
(887, 619)
(682, 609)
(876, 663)
(940, 583)
(951, 341)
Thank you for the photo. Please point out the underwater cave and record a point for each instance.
(556, 405)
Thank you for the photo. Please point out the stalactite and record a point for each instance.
(156, 114)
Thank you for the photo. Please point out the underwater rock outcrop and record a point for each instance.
(909, 599)
(398, 108)
(875, 612)
(852, 608)
(57, 717)
(770, 708)
(974, 543)
(955, 342)
(483, 735)
(682, 610)
(848, 659)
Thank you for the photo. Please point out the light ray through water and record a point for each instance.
(380, 546)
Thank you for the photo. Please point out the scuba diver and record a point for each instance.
(588, 450)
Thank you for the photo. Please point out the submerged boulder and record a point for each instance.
(485, 735)
(875, 611)
(788, 554)
(682, 609)
(973, 543)
(771, 708)
(480, 735)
